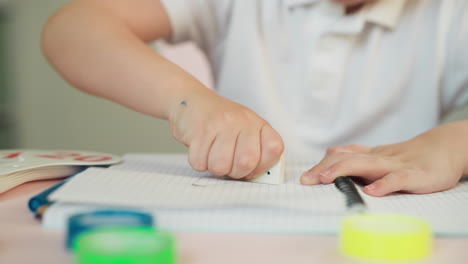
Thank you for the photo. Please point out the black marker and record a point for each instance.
(354, 200)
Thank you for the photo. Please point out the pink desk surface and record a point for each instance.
(22, 240)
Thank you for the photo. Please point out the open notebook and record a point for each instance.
(184, 200)
(18, 166)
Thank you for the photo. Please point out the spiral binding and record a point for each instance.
(347, 187)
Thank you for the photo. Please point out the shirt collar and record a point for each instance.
(296, 3)
(385, 13)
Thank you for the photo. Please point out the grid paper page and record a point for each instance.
(252, 220)
(185, 200)
(135, 188)
(447, 211)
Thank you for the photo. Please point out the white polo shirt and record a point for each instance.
(322, 78)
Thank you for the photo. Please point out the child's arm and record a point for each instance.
(431, 162)
(99, 47)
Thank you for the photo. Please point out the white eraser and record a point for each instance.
(275, 175)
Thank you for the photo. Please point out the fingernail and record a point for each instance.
(310, 179)
(370, 187)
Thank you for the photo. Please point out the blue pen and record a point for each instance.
(38, 203)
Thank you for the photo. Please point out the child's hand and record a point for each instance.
(431, 162)
(224, 137)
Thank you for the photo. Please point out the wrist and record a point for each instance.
(192, 98)
(463, 127)
(456, 136)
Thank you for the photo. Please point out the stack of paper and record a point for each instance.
(19, 166)
(184, 200)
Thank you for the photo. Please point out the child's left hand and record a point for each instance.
(433, 161)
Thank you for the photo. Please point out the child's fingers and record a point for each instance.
(359, 165)
(199, 151)
(354, 148)
(247, 153)
(222, 152)
(400, 180)
(312, 176)
(334, 155)
(271, 149)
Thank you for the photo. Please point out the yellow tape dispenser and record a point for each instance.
(380, 237)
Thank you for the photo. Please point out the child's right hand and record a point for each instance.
(224, 137)
(110, 58)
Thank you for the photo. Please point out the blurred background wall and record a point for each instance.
(48, 113)
(5, 104)
(39, 110)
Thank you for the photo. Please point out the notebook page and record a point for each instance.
(134, 188)
(252, 220)
(232, 217)
(237, 206)
(447, 211)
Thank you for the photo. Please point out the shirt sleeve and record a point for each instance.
(455, 83)
(201, 21)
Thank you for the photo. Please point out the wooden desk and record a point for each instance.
(23, 240)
